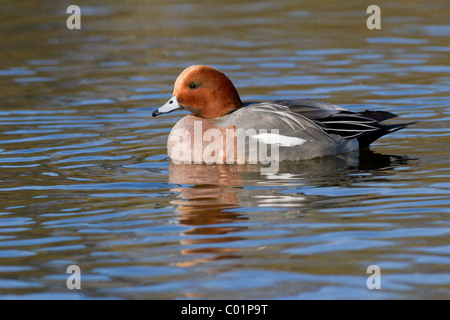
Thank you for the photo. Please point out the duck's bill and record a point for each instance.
(170, 106)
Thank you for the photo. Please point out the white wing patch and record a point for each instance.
(283, 141)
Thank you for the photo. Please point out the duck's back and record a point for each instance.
(296, 136)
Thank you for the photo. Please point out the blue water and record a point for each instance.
(85, 179)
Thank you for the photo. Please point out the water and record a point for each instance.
(85, 179)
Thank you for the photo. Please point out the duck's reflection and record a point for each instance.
(212, 199)
(206, 201)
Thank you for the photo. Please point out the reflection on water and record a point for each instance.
(85, 178)
(206, 194)
(203, 205)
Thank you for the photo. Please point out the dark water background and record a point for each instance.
(85, 178)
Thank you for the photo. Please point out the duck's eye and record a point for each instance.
(193, 86)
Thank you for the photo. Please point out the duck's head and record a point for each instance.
(204, 91)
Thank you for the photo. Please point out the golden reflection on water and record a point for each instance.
(204, 207)
(207, 194)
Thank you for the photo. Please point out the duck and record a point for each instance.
(220, 128)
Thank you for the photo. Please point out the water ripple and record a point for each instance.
(85, 178)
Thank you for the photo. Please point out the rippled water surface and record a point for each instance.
(85, 178)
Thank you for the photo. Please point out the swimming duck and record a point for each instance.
(300, 129)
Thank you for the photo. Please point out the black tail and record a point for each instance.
(367, 138)
(365, 126)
